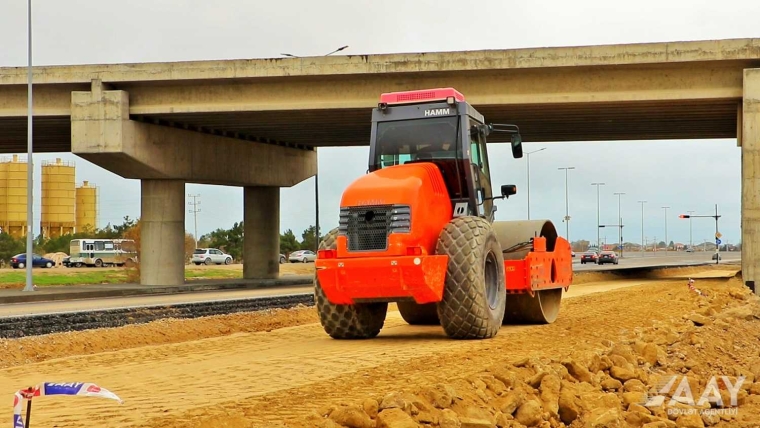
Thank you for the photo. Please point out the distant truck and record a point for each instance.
(101, 252)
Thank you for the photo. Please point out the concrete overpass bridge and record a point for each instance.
(256, 123)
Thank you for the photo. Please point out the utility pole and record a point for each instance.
(527, 155)
(620, 222)
(194, 211)
(598, 221)
(666, 229)
(30, 162)
(642, 224)
(691, 242)
(567, 206)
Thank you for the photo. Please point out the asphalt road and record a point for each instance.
(635, 259)
(22, 309)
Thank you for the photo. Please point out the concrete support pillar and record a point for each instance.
(261, 226)
(162, 232)
(750, 146)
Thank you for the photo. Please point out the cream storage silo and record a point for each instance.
(13, 196)
(87, 207)
(58, 216)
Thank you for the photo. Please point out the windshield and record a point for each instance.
(403, 141)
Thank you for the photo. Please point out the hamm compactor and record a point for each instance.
(418, 229)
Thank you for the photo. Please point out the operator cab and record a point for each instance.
(438, 126)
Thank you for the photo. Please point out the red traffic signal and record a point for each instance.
(684, 216)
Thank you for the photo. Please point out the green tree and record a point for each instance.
(672, 245)
(227, 240)
(9, 246)
(288, 242)
(307, 239)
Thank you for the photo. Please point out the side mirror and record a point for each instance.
(517, 151)
(508, 190)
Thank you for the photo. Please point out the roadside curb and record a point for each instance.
(137, 290)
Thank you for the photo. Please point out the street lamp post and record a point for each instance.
(567, 205)
(316, 174)
(642, 224)
(667, 247)
(598, 220)
(620, 222)
(528, 159)
(30, 163)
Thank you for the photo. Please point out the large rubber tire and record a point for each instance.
(357, 321)
(474, 294)
(416, 314)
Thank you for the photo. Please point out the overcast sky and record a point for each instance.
(685, 175)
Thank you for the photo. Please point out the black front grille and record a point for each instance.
(367, 227)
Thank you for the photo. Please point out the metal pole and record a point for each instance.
(528, 159)
(195, 212)
(620, 223)
(691, 241)
(30, 164)
(28, 412)
(598, 220)
(567, 206)
(642, 225)
(528, 156)
(717, 247)
(666, 229)
(316, 203)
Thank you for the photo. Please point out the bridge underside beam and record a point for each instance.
(165, 158)
(641, 120)
(103, 133)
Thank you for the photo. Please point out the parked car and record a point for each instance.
(690, 249)
(282, 258)
(210, 255)
(608, 257)
(19, 261)
(302, 256)
(572, 253)
(589, 257)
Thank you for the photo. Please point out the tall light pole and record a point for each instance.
(642, 224)
(691, 242)
(30, 163)
(598, 212)
(620, 222)
(528, 158)
(667, 247)
(194, 211)
(567, 206)
(316, 174)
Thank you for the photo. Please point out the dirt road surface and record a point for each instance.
(280, 369)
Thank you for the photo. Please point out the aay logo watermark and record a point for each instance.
(711, 394)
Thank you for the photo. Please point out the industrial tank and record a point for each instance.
(13, 196)
(87, 207)
(58, 198)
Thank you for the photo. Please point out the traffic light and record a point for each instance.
(684, 216)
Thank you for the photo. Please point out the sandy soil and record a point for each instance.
(280, 369)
